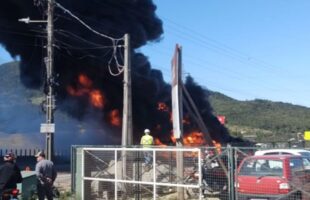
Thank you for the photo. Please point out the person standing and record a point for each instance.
(46, 175)
(10, 174)
(146, 142)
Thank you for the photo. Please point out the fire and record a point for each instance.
(218, 146)
(96, 98)
(76, 92)
(159, 143)
(194, 139)
(173, 138)
(114, 118)
(162, 107)
(85, 81)
(191, 139)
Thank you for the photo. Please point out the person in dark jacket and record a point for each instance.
(9, 173)
(46, 175)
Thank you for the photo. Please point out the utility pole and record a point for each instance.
(49, 104)
(127, 104)
(49, 61)
(177, 114)
(127, 110)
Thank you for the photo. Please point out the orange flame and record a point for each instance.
(194, 139)
(191, 139)
(173, 138)
(84, 81)
(114, 118)
(77, 92)
(159, 143)
(162, 107)
(96, 98)
(218, 146)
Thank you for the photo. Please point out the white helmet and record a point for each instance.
(147, 131)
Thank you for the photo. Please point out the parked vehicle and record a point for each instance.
(273, 177)
(10, 194)
(297, 152)
(214, 180)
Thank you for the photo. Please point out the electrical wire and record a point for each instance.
(113, 40)
(86, 25)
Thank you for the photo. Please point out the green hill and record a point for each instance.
(263, 119)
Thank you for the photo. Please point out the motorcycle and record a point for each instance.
(214, 180)
(10, 194)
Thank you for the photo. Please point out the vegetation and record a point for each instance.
(262, 119)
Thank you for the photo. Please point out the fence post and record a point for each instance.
(72, 167)
(137, 165)
(231, 172)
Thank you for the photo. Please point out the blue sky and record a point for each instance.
(245, 49)
(4, 56)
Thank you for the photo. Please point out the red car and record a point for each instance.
(273, 177)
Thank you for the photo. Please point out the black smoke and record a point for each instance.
(80, 51)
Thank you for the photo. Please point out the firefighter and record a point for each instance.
(146, 142)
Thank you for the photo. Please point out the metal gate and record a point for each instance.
(141, 173)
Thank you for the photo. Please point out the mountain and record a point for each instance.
(21, 116)
(262, 119)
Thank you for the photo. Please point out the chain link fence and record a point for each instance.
(188, 173)
(140, 173)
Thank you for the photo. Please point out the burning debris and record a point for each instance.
(83, 65)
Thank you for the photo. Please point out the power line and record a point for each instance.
(114, 41)
(87, 26)
(207, 42)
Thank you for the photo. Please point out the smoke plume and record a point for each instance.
(82, 60)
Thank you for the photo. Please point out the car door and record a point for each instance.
(299, 176)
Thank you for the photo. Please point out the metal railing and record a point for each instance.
(147, 173)
(121, 173)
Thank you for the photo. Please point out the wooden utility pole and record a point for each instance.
(127, 104)
(50, 101)
(127, 110)
(177, 113)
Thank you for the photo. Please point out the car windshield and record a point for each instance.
(262, 167)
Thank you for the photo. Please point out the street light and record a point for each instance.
(28, 20)
(49, 127)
